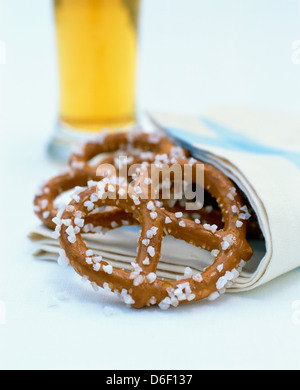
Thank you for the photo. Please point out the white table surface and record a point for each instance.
(210, 53)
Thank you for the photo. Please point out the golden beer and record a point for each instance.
(97, 47)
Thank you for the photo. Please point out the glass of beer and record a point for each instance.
(97, 50)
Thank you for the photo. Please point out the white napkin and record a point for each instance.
(260, 152)
(269, 179)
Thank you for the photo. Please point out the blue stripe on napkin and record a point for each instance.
(228, 138)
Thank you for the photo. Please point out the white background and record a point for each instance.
(192, 54)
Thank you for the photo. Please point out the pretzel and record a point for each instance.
(81, 172)
(139, 145)
(115, 145)
(141, 287)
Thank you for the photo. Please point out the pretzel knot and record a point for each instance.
(141, 287)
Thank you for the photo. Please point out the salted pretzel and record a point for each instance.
(134, 146)
(141, 287)
(137, 144)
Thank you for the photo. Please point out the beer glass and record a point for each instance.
(96, 50)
